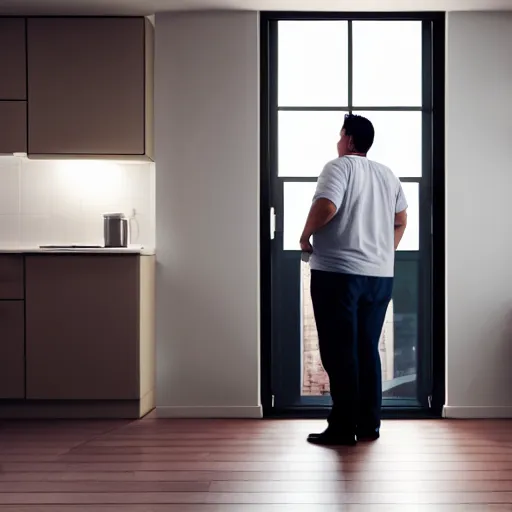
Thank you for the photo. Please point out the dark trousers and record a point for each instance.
(349, 312)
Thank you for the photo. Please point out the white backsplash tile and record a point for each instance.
(37, 188)
(9, 185)
(37, 229)
(10, 231)
(62, 202)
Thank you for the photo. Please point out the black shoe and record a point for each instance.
(330, 438)
(368, 434)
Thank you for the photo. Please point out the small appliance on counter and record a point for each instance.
(115, 230)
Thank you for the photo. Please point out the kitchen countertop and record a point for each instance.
(143, 251)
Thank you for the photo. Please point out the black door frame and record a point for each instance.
(268, 76)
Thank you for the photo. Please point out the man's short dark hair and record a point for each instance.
(361, 130)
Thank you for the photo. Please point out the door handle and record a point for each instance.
(272, 223)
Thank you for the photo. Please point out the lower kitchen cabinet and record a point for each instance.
(12, 349)
(11, 277)
(89, 327)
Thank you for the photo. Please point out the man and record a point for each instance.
(357, 220)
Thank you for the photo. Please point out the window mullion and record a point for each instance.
(350, 66)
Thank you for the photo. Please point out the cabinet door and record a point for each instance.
(12, 349)
(86, 86)
(11, 276)
(13, 59)
(82, 322)
(13, 127)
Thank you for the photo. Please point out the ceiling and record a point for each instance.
(144, 7)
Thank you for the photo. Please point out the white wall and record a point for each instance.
(62, 202)
(207, 213)
(478, 215)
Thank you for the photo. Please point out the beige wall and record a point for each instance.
(207, 210)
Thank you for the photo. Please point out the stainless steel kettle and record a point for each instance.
(115, 230)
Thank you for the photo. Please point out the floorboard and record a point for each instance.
(252, 466)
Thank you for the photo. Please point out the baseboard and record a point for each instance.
(210, 412)
(69, 409)
(476, 412)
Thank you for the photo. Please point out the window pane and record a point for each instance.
(397, 141)
(307, 141)
(312, 63)
(404, 347)
(411, 238)
(387, 63)
(297, 202)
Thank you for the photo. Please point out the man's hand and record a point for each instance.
(305, 244)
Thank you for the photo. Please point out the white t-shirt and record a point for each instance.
(360, 238)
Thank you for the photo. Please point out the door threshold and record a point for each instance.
(321, 413)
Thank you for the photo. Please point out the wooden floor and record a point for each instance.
(252, 466)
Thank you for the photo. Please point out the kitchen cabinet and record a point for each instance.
(11, 277)
(82, 327)
(13, 127)
(90, 84)
(12, 327)
(12, 349)
(77, 335)
(13, 59)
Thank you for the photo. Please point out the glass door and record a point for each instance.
(319, 70)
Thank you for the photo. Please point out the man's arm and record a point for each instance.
(400, 215)
(321, 213)
(400, 225)
(330, 190)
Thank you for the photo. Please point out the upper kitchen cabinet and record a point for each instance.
(13, 126)
(90, 87)
(13, 59)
